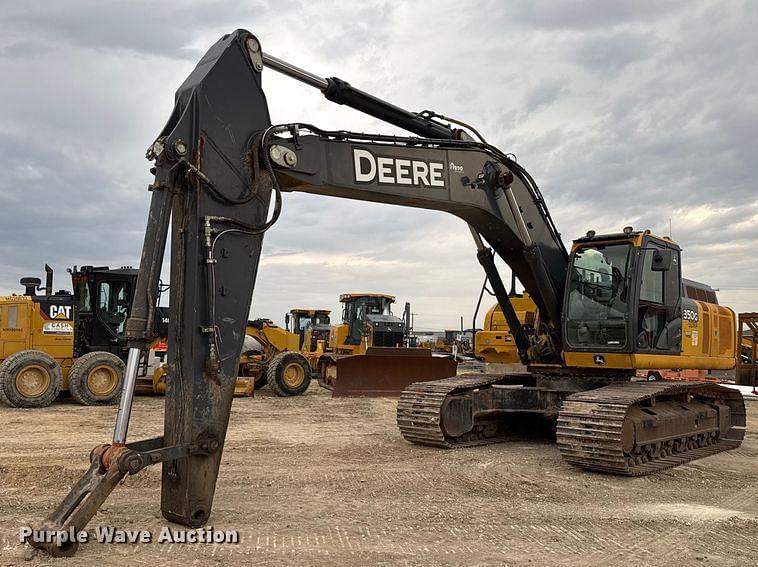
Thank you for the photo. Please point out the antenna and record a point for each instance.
(670, 227)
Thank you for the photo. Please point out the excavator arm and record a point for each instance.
(471, 180)
(218, 164)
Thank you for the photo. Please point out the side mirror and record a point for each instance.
(287, 321)
(662, 260)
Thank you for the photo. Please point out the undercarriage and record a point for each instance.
(607, 424)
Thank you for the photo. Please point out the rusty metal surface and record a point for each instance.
(387, 371)
(109, 464)
(603, 429)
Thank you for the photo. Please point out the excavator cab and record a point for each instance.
(624, 307)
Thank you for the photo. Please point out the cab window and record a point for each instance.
(597, 303)
(12, 317)
(113, 305)
(651, 289)
(659, 321)
(82, 296)
(322, 319)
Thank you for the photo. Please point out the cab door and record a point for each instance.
(659, 309)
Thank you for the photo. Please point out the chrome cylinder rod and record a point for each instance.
(127, 395)
(477, 239)
(294, 72)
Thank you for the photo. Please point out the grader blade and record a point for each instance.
(385, 371)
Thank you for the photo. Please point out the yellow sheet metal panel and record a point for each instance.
(590, 360)
(55, 335)
(710, 332)
(496, 343)
(647, 361)
(337, 338)
(15, 331)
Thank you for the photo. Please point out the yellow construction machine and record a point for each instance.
(495, 343)
(607, 307)
(368, 353)
(270, 356)
(64, 341)
(275, 361)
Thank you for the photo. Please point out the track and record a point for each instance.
(590, 424)
(421, 404)
(589, 431)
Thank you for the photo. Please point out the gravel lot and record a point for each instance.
(320, 481)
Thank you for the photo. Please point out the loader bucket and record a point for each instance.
(385, 371)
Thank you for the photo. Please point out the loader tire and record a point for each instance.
(289, 374)
(30, 379)
(260, 381)
(96, 379)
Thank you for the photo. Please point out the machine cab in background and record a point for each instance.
(369, 316)
(103, 301)
(311, 325)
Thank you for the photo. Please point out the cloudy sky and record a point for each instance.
(625, 112)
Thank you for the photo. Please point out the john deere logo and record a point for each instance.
(599, 359)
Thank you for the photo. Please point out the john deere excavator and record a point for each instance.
(611, 305)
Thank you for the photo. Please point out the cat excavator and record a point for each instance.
(611, 305)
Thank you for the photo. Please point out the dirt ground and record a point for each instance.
(320, 481)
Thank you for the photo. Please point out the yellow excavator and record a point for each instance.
(610, 305)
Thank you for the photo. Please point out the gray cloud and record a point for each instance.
(625, 112)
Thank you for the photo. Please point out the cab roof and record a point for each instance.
(350, 296)
(634, 236)
(311, 311)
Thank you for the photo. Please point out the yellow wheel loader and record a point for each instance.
(270, 357)
(277, 360)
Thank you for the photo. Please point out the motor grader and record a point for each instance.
(63, 341)
(610, 305)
